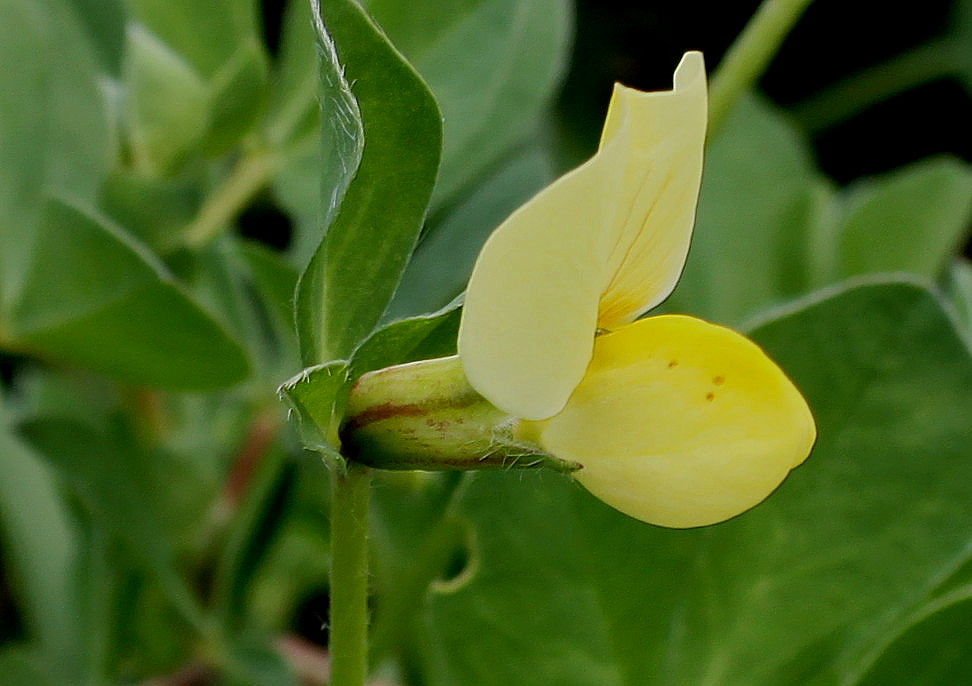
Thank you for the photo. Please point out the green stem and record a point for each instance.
(248, 178)
(749, 56)
(349, 576)
(932, 60)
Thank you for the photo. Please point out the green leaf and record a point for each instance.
(293, 111)
(239, 93)
(316, 397)
(206, 34)
(23, 664)
(166, 104)
(104, 21)
(131, 513)
(414, 541)
(252, 659)
(252, 535)
(934, 651)
(371, 231)
(216, 276)
(154, 210)
(440, 268)
(297, 188)
(39, 549)
(274, 278)
(960, 288)
(761, 202)
(272, 281)
(293, 125)
(493, 65)
(54, 130)
(560, 589)
(913, 219)
(408, 340)
(97, 299)
(102, 571)
(220, 44)
(296, 566)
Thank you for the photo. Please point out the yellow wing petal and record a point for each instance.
(680, 423)
(663, 169)
(530, 311)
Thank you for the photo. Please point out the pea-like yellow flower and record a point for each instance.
(673, 420)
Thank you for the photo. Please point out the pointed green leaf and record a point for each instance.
(96, 298)
(913, 219)
(408, 340)
(166, 103)
(206, 34)
(54, 129)
(370, 231)
(493, 65)
(316, 397)
(39, 547)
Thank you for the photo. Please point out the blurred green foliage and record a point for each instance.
(159, 518)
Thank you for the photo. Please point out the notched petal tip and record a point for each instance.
(690, 72)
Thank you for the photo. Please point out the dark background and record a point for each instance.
(834, 39)
(638, 43)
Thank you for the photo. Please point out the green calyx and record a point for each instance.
(425, 415)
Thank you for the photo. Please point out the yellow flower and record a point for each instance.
(675, 421)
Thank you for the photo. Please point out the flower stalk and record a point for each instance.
(348, 640)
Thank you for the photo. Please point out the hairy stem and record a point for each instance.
(349, 575)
